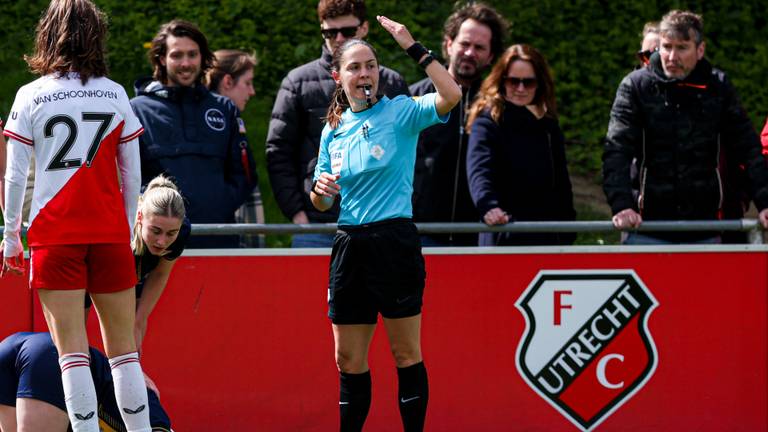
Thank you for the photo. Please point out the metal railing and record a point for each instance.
(750, 226)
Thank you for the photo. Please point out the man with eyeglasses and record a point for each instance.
(473, 37)
(677, 117)
(300, 107)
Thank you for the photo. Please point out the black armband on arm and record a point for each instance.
(427, 60)
(416, 51)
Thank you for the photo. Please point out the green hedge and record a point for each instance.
(589, 44)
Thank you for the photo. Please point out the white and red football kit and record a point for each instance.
(79, 134)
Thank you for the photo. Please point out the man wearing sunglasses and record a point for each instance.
(677, 117)
(649, 44)
(300, 107)
(473, 38)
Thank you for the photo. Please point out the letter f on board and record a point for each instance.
(559, 306)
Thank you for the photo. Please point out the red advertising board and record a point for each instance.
(241, 343)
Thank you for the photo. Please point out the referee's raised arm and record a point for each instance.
(448, 92)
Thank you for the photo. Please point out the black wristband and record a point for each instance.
(427, 60)
(416, 51)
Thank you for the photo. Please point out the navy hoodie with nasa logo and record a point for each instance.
(197, 138)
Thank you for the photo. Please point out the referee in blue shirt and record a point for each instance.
(367, 156)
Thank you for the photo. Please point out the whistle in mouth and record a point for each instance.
(367, 90)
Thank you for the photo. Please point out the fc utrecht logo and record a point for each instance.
(586, 348)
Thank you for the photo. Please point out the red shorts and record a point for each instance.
(99, 268)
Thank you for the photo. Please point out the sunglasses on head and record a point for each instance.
(644, 56)
(515, 82)
(347, 32)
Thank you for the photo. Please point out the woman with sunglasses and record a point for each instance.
(367, 154)
(516, 156)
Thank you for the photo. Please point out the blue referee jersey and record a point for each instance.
(374, 152)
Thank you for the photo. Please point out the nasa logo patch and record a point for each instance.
(215, 119)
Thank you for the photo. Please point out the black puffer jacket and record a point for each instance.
(440, 188)
(293, 140)
(676, 129)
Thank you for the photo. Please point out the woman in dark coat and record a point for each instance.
(516, 157)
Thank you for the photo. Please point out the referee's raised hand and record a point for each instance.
(397, 30)
(448, 92)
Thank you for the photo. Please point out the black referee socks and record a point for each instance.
(354, 400)
(413, 394)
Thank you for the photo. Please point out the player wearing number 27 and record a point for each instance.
(78, 123)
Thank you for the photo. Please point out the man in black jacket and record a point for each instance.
(473, 37)
(293, 139)
(674, 116)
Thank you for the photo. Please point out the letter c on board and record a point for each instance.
(601, 378)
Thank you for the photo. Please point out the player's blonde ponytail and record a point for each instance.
(160, 198)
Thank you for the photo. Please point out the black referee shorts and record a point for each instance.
(376, 268)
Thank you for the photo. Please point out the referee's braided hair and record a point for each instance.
(161, 198)
(70, 37)
(339, 101)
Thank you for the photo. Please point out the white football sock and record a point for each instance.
(131, 392)
(79, 392)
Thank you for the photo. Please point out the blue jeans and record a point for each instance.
(634, 238)
(312, 241)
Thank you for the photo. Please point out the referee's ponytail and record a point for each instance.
(339, 104)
